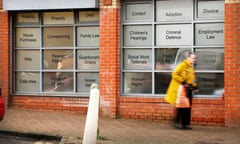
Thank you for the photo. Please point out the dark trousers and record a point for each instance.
(183, 115)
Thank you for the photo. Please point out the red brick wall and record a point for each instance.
(4, 55)
(232, 64)
(109, 60)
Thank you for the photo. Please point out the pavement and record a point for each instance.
(70, 127)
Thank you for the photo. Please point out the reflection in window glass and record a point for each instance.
(210, 83)
(162, 81)
(85, 80)
(58, 36)
(28, 59)
(138, 59)
(58, 81)
(137, 83)
(27, 81)
(168, 58)
(88, 59)
(58, 59)
(210, 59)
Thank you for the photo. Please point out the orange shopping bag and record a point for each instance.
(182, 100)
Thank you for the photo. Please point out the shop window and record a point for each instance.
(55, 52)
(165, 30)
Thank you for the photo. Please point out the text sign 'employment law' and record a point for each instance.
(174, 34)
(209, 34)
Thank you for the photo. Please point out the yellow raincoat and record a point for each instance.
(184, 72)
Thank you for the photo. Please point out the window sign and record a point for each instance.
(139, 12)
(88, 36)
(58, 37)
(88, 59)
(138, 59)
(137, 83)
(138, 35)
(85, 80)
(58, 18)
(211, 9)
(89, 16)
(27, 18)
(209, 34)
(62, 82)
(210, 59)
(28, 59)
(27, 37)
(174, 10)
(58, 59)
(174, 34)
(28, 81)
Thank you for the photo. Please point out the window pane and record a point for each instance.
(58, 18)
(138, 35)
(209, 34)
(174, 34)
(88, 16)
(174, 10)
(58, 59)
(28, 37)
(137, 83)
(58, 37)
(85, 80)
(88, 59)
(28, 59)
(210, 9)
(162, 81)
(26, 18)
(138, 12)
(58, 81)
(168, 58)
(88, 36)
(137, 59)
(27, 81)
(210, 83)
(210, 59)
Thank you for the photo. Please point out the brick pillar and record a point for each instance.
(4, 54)
(109, 57)
(232, 63)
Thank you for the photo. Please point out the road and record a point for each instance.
(17, 138)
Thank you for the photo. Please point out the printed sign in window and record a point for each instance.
(137, 59)
(88, 59)
(138, 12)
(28, 59)
(138, 35)
(209, 34)
(88, 36)
(88, 16)
(85, 80)
(28, 37)
(58, 59)
(137, 83)
(58, 37)
(26, 18)
(174, 10)
(58, 18)
(211, 9)
(174, 34)
(27, 82)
